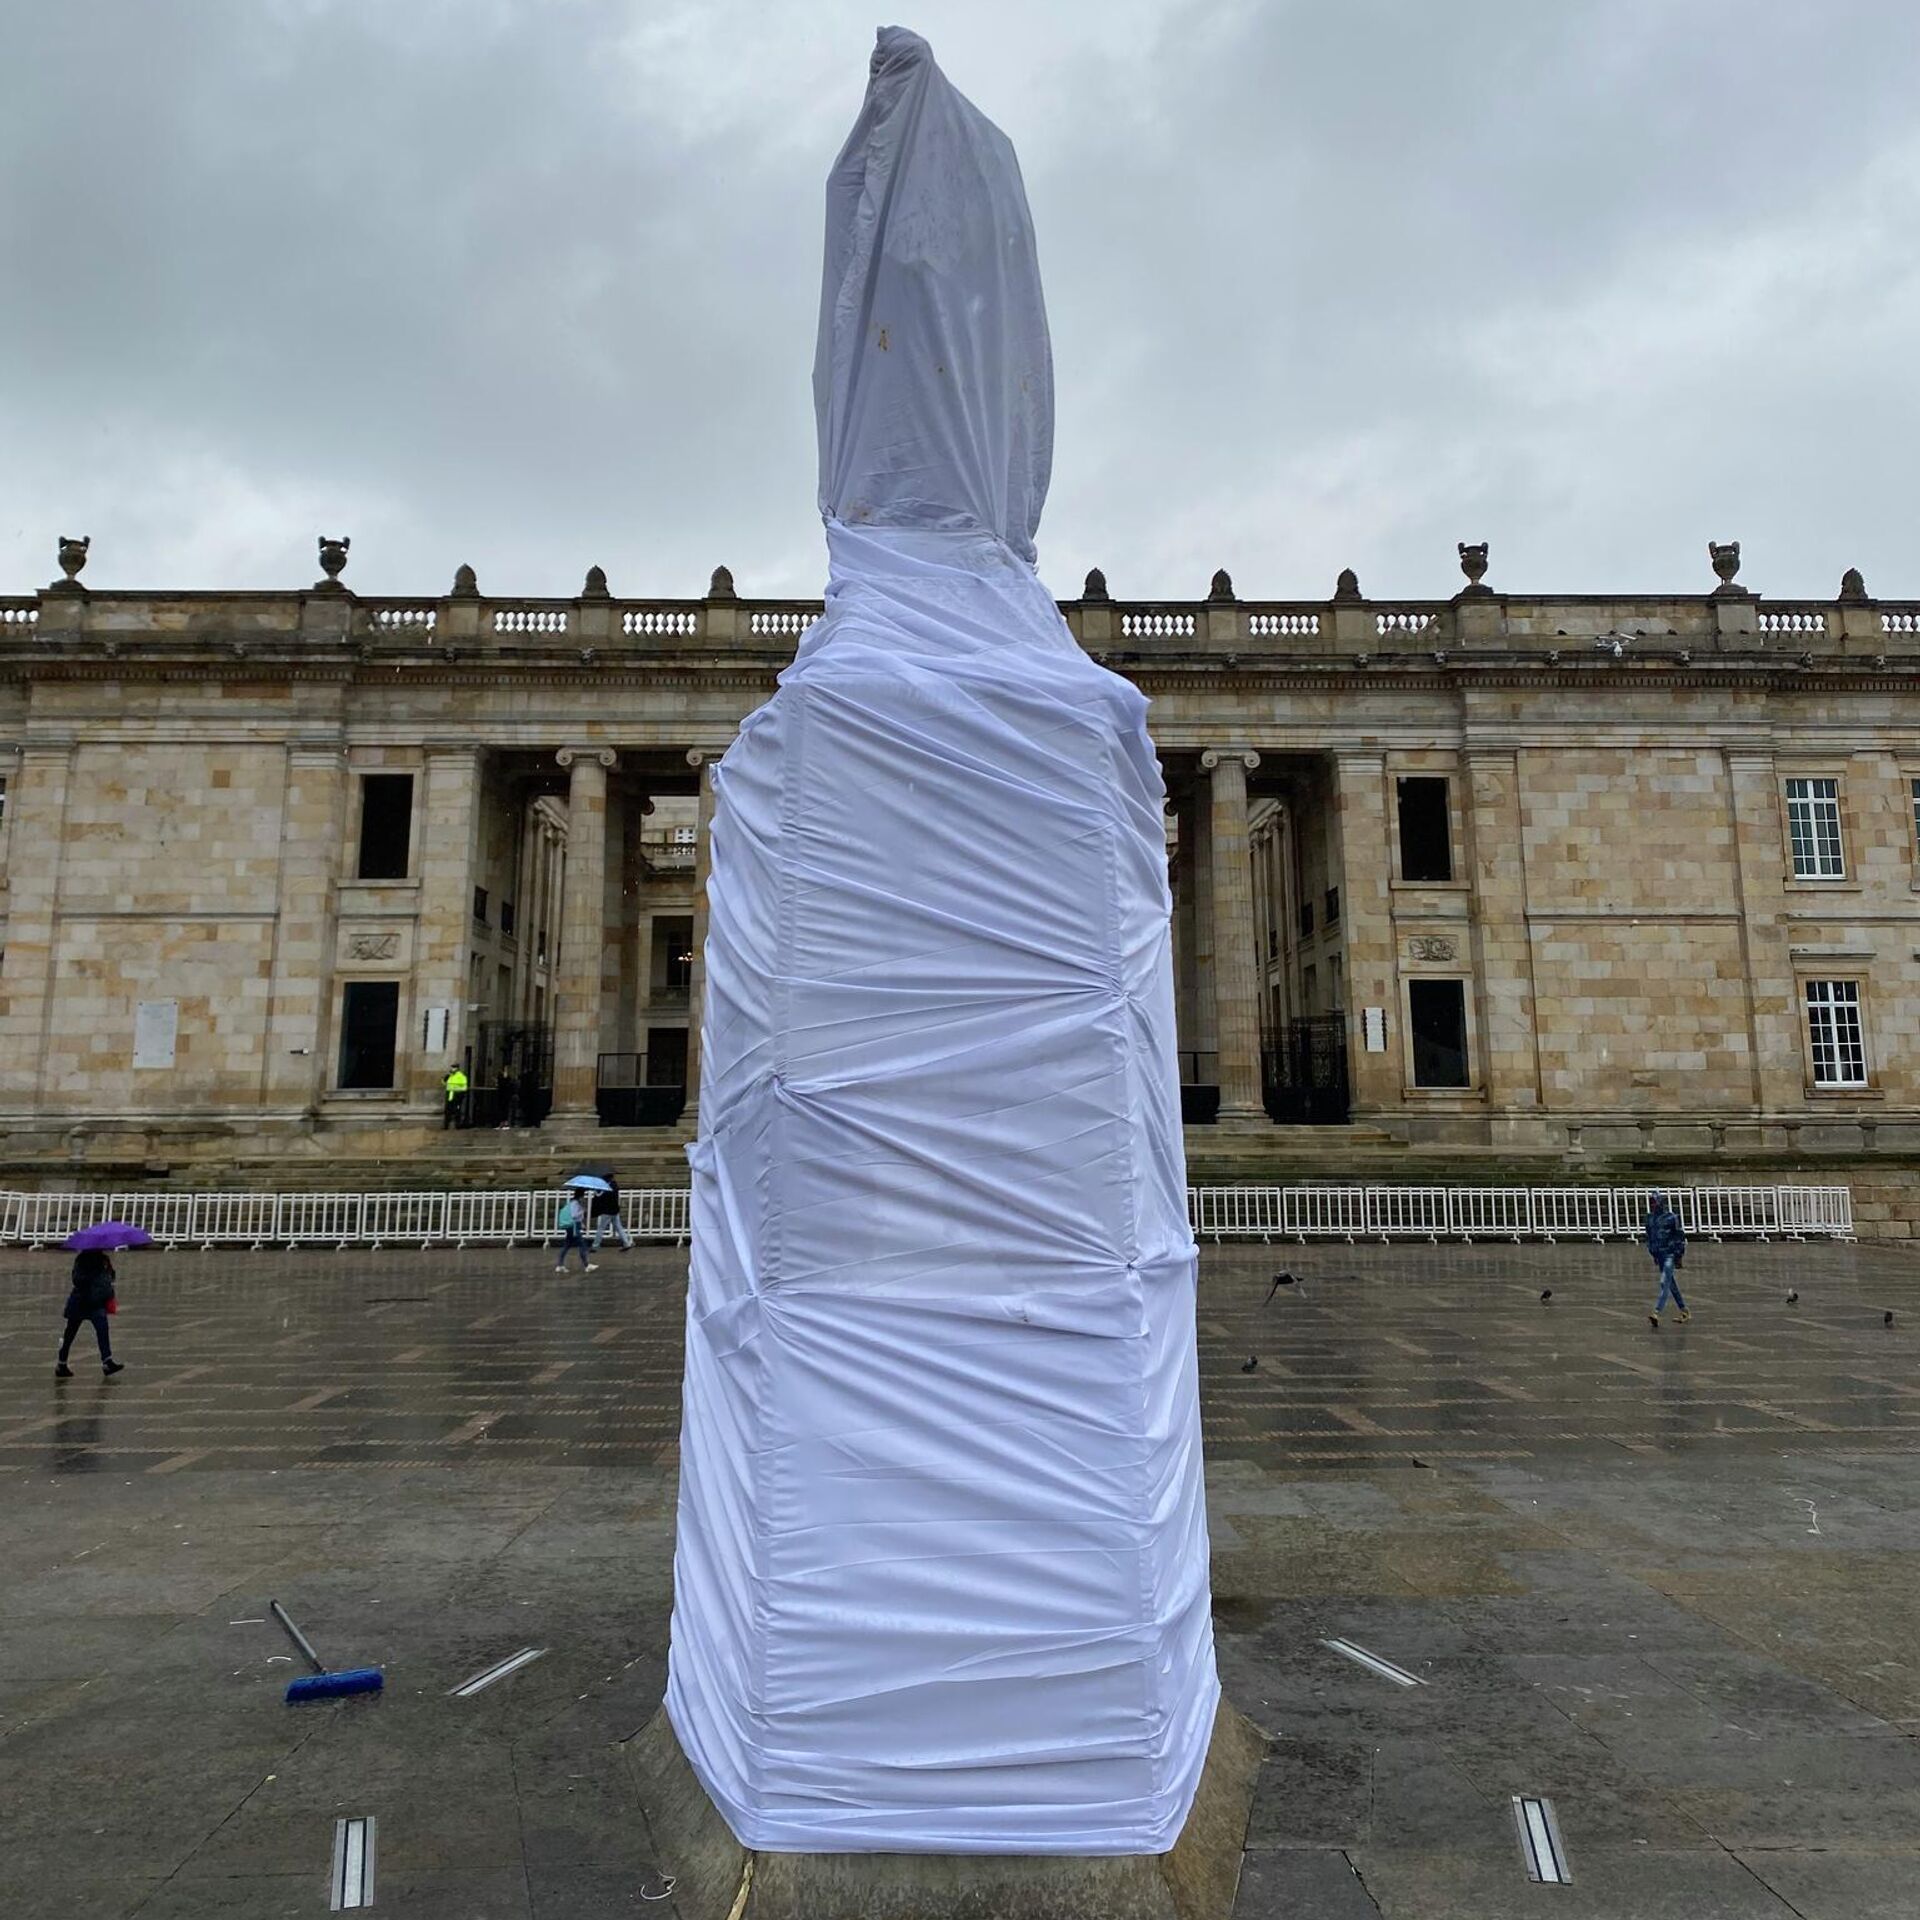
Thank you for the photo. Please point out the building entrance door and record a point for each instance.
(1305, 1073)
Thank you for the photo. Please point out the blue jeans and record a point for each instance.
(575, 1242)
(1669, 1285)
(78, 1317)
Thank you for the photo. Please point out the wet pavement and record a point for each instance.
(1670, 1580)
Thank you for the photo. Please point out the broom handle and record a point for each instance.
(299, 1639)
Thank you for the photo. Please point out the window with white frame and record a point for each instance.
(1813, 826)
(1834, 1032)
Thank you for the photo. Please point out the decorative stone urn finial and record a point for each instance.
(1853, 588)
(333, 556)
(720, 587)
(596, 586)
(466, 583)
(73, 556)
(1096, 587)
(1347, 586)
(1222, 588)
(1473, 563)
(1725, 555)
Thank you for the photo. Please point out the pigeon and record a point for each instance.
(1886, 1319)
(1280, 1280)
(1793, 1297)
(1546, 1294)
(1251, 1364)
(1417, 1461)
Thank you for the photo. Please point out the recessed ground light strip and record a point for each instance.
(1540, 1844)
(499, 1671)
(353, 1863)
(1374, 1664)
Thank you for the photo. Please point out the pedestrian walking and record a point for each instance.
(606, 1217)
(1667, 1247)
(88, 1302)
(509, 1099)
(455, 1082)
(571, 1221)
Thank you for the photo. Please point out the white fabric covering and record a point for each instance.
(941, 1579)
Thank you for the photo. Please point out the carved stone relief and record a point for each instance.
(1430, 946)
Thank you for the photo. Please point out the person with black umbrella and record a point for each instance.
(605, 1213)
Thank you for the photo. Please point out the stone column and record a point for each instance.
(1183, 901)
(1287, 907)
(36, 850)
(1366, 903)
(705, 759)
(631, 981)
(523, 921)
(545, 945)
(1236, 980)
(576, 1021)
(1502, 947)
(298, 1066)
(1773, 1010)
(449, 844)
(1206, 1028)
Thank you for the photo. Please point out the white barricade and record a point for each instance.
(657, 1213)
(1237, 1213)
(1587, 1212)
(1630, 1209)
(1318, 1213)
(1749, 1213)
(167, 1216)
(498, 1218)
(47, 1218)
(489, 1219)
(317, 1220)
(1825, 1210)
(232, 1219)
(1480, 1213)
(404, 1219)
(1398, 1211)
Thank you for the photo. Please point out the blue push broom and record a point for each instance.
(323, 1683)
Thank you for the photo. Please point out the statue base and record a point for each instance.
(716, 1878)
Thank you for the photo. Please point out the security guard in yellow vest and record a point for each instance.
(456, 1086)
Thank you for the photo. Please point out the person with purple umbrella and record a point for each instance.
(90, 1298)
(93, 1278)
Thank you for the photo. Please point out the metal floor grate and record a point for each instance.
(1540, 1844)
(353, 1863)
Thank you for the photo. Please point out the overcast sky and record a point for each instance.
(1334, 284)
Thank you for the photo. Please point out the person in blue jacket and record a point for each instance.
(1667, 1246)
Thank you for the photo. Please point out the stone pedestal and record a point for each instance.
(716, 1878)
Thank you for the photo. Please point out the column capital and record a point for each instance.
(1219, 756)
(568, 755)
(704, 756)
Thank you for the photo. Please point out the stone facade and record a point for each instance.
(272, 860)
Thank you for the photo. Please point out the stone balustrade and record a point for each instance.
(1347, 631)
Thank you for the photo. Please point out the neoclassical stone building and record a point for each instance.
(1502, 871)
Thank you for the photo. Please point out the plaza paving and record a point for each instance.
(1671, 1580)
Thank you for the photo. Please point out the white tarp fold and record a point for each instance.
(941, 1578)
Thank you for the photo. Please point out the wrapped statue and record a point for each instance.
(941, 1575)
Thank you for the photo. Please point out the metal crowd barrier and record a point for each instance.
(339, 1220)
(1514, 1213)
(1352, 1213)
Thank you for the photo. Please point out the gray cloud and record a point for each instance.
(534, 287)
